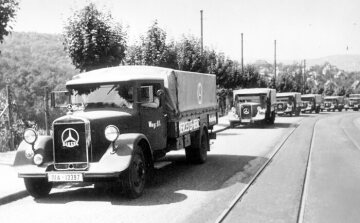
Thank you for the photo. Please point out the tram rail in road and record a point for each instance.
(241, 193)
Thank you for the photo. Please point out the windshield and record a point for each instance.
(307, 99)
(330, 100)
(101, 96)
(354, 99)
(261, 99)
(285, 99)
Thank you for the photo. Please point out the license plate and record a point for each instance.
(65, 177)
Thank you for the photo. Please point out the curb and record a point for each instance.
(13, 197)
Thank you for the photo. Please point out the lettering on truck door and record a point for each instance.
(153, 119)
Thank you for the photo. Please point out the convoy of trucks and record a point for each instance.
(121, 120)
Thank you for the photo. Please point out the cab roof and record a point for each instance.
(309, 95)
(287, 94)
(120, 73)
(333, 97)
(253, 91)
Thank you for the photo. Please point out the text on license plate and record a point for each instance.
(65, 177)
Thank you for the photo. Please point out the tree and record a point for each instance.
(189, 56)
(8, 10)
(93, 40)
(153, 49)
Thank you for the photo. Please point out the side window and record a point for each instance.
(148, 95)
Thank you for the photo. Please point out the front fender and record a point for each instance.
(43, 144)
(118, 155)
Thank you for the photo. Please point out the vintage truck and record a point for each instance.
(121, 120)
(332, 103)
(288, 103)
(310, 103)
(253, 105)
(353, 102)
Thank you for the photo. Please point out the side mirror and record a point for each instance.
(160, 92)
(60, 99)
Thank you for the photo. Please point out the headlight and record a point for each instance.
(30, 136)
(38, 159)
(233, 110)
(111, 133)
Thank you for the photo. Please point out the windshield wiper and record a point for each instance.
(111, 89)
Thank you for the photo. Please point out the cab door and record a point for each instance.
(153, 119)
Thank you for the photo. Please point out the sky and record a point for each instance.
(303, 29)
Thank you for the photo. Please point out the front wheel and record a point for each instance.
(271, 119)
(197, 152)
(134, 178)
(38, 187)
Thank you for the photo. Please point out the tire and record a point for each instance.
(317, 111)
(340, 109)
(134, 178)
(271, 119)
(38, 187)
(197, 152)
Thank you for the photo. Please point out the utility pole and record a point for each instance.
(202, 37)
(46, 104)
(304, 74)
(275, 62)
(242, 54)
(9, 101)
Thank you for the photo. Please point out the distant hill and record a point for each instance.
(29, 62)
(344, 62)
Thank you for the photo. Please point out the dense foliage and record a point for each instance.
(8, 10)
(94, 40)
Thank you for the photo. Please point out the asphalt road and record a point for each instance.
(181, 192)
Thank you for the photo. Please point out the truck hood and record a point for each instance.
(102, 118)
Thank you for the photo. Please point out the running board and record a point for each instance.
(161, 164)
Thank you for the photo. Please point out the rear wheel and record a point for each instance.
(38, 187)
(134, 178)
(197, 152)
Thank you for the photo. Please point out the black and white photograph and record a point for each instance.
(184, 111)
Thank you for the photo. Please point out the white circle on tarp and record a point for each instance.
(199, 93)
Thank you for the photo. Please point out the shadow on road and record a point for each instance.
(170, 184)
(266, 126)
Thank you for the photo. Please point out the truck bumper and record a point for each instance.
(32, 171)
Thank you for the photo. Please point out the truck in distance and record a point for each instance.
(288, 103)
(332, 103)
(353, 102)
(253, 105)
(120, 121)
(311, 103)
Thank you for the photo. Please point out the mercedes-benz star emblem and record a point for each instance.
(70, 138)
(246, 111)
